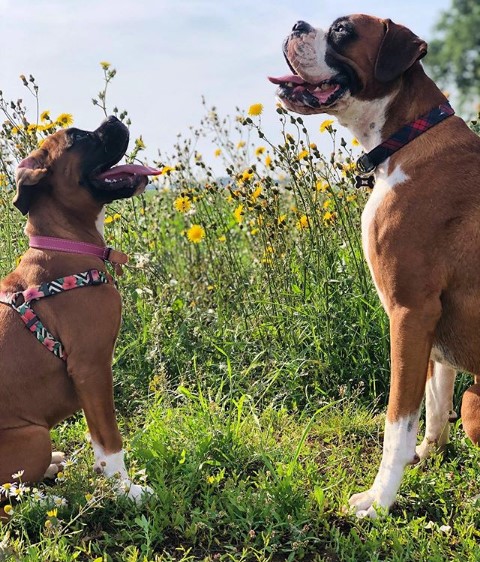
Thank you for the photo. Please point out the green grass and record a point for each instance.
(251, 373)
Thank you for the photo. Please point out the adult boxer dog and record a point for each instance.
(421, 225)
(63, 187)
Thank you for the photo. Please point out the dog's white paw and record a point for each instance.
(56, 464)
(366, 504)
(426, 449)
(135, 492)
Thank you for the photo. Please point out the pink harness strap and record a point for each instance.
(21, 301)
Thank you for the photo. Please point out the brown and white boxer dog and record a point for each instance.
(420, 227)
(63, 187)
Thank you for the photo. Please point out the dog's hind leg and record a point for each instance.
(28, 449)
(438, 408)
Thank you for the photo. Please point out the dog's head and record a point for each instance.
(76, 167)
(358, 57)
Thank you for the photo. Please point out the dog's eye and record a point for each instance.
(79, 135)
(341, 32)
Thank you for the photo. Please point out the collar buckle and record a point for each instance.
(365, 167)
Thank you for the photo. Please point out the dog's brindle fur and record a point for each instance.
(420, 227)
(37, 389)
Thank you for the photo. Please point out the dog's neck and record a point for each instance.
(373, 121)
(46, 221)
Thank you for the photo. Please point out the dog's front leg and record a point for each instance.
(95, 391)
(411, 334)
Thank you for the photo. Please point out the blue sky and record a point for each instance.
(168, 53)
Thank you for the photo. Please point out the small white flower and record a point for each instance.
(5, 488)
(18, 475)
(37, 495)
(59, 501)
(445, 529)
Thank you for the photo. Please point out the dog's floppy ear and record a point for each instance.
(399, 50)
(28, 174)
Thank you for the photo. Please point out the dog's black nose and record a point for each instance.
(302, 27)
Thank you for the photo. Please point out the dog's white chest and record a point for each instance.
(383, 185)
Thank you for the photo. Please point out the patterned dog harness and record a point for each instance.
(21, 301)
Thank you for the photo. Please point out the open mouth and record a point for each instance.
(298, 91)
(124, 176)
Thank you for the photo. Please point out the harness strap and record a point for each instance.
(21, 301)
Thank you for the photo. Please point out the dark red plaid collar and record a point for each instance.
(368, 162)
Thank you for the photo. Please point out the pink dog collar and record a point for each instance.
(105, 253)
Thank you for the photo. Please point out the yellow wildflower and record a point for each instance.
(238, 214)
(167, 170)
(321, 185)
(139, 144)
(281, 219)
(313, 146)
(64, 119)
(259, 150)
(241, 144)
(105, 65)
(8, 509)
(218, 152)
(268, 160)
(112, 218)
(355, 142)
(256, 194)
(326, 125)
(32, 127)
(246, 175)
(222, 238)
(52, 512)
(348, 167)
(329, 217)
(255, 109)
(327, 203)
(302, 155)
(182, 204)
(196, 233)
(45, 115)
(303, 222)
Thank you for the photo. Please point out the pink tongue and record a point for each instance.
(323, 95)
(288, 78)
(129, 169)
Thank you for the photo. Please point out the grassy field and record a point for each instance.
(251, 371)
